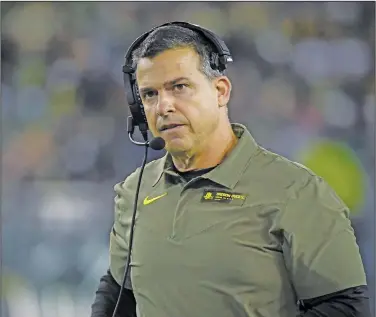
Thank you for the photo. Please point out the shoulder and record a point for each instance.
(298, 183)
(278, 173)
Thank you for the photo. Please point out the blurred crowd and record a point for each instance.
(303, 83)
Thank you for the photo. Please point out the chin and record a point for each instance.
(176, 146)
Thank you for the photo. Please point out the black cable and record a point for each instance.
(132, 230)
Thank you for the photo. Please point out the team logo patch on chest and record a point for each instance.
(222, 196)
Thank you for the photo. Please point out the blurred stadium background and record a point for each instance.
(303, 82)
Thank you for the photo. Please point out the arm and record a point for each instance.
(321, 253)
(351, 302)
(109, 286)
(106, 298)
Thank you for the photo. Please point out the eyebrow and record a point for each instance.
(168, 83)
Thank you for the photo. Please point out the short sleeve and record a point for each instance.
(319, 247)
(118, 237)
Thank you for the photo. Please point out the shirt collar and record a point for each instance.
(229, 172)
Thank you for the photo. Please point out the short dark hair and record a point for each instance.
(174, 36)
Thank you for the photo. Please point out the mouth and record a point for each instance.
(168, 127)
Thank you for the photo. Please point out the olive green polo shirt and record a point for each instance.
(248, 239)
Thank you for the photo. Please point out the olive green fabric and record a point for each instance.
(249, 238)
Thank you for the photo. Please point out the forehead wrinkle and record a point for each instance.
(150, 71)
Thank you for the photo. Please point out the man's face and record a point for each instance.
(182, 105)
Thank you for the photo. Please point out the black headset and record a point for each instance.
(218, 61)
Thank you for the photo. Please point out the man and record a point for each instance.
(224, 228)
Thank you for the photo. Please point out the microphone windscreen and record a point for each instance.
(157, 143)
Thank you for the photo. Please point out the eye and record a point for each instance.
(180, 87)
(149, 94)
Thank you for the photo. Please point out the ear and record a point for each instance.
(223, 86)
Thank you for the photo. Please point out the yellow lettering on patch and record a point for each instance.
(221, 196)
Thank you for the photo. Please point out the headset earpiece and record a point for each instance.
(128, 76)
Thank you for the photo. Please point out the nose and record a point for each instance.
(165, 104)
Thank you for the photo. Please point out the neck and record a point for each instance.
(211, 154)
